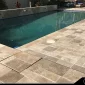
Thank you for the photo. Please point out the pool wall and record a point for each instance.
(9, 13)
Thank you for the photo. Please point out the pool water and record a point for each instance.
(15, 32)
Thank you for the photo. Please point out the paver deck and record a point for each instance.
(62, 61)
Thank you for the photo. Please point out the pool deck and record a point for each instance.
(62, 61)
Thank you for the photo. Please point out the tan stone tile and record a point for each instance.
(75, 47)
(77, 41)
(1, 59)
(74, 75)
(54, 59)
(79, 68)
(26, 80)
(53, 54)
(36, 53)
(65, 63)
(58, 36)
(83, 65)
(7, 60)
(81, 61)
(76, 53)
(63, 80)
(4, 55)
(37, 47)
(50, 49)
(58, 57)
(31, 44)
(11, 77)
(41, 55)
(50, 66)
(34, 76)
(82, 43)
(4, 70)
(28, 58)
(1, 45)
(8, 50)
(69, 58)
(68, 32)
(46, 73)
(31, 52)
(1, 82)
(15, 64)
(65, 40)
(70, 36)
(23, 48)
(78, 31)
(60, 49)
(62, 30)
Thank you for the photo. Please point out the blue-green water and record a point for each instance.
(18, 31)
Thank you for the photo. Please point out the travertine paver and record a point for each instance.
(79, 68)
(1, 59)
(1, 82)
(35, 76)
(53, 59)
(65, 63)
(50, 49)
(11, 77)
(41, 55)
(48, 74)
(74, 75)
(6, 52)
(4, 70)
(64, 81)
(50, 66)
(1, 45)
(62, 61)
(28, 58)
(25, 80)
(81, 61)
(15, 64)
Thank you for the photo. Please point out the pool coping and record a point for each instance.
(9, 13)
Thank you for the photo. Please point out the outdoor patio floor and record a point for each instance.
(40, 62)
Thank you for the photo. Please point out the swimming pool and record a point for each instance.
(15, 32)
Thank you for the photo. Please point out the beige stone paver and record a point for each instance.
(1, 82)
(81, 62)
(28, 58)
(74, 75)
(35, 76)
(6, 52)
(53, 59)
(4, 70)
(79, 68)
(15, 64)
(63, 80)
(11, 77)
(50, 66)
(38, 54)
(25, 80)
(1, 45)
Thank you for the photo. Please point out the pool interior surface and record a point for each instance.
(15, 32)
